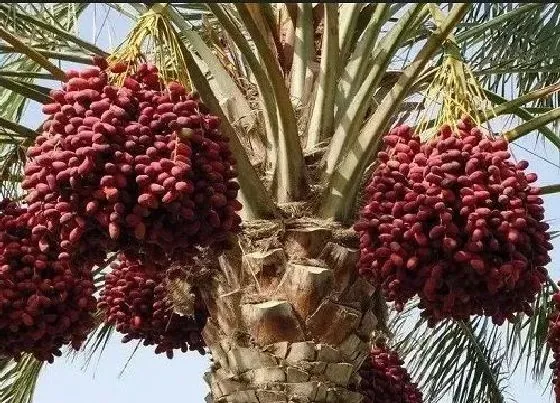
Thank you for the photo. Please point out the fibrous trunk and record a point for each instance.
(290, 319)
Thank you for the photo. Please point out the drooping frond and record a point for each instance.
(526, 339)
(18, 379)
(459, 359)
(514, 47)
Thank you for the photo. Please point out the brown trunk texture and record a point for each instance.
(290, 319)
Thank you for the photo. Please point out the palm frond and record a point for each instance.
(533, 124)
(15, 129)
(522, 113)
(25, 89)
(41, 22)
(31, 53)
(13, 134)
(526, 338)
(18, 379)
(548, 189)
(49, 43)
(516, 46)
(25, 74)
(95, 345)
(459, 359)
(11, 102)
(75, 57)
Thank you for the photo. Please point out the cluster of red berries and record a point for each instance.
(137, 166)
(455, 222)
(136, 300)
(45, 300)
(384, 380)
(553, 340)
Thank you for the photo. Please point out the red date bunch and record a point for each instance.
(131, 166)
(553, 340)
(45, 302)
(136, 300)
(384, 380)
(456, 222)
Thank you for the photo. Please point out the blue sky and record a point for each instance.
(147, 378)
(150, 378)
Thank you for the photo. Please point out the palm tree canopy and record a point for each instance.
(305, 93)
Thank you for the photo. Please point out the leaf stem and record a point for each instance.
(290, 181)
(322, 117)
(51, 54)
(353, 108)
(340, 195)
(550, 189)
(533, 124)
(487, 369)
(265, 89)
(23, 89)
(301, 74)
(32, 54)
(257, 202)
(22, 131)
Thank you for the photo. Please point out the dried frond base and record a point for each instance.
(291, 319)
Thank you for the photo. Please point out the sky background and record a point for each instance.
(150, 378)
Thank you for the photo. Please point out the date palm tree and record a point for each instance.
(305, 93)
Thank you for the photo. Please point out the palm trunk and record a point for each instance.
(290, 320)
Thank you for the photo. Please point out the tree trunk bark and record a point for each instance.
(290, 321)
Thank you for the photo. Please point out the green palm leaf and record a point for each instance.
(516, 44)
(526, 339)
(461, 359)
(18, 380)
